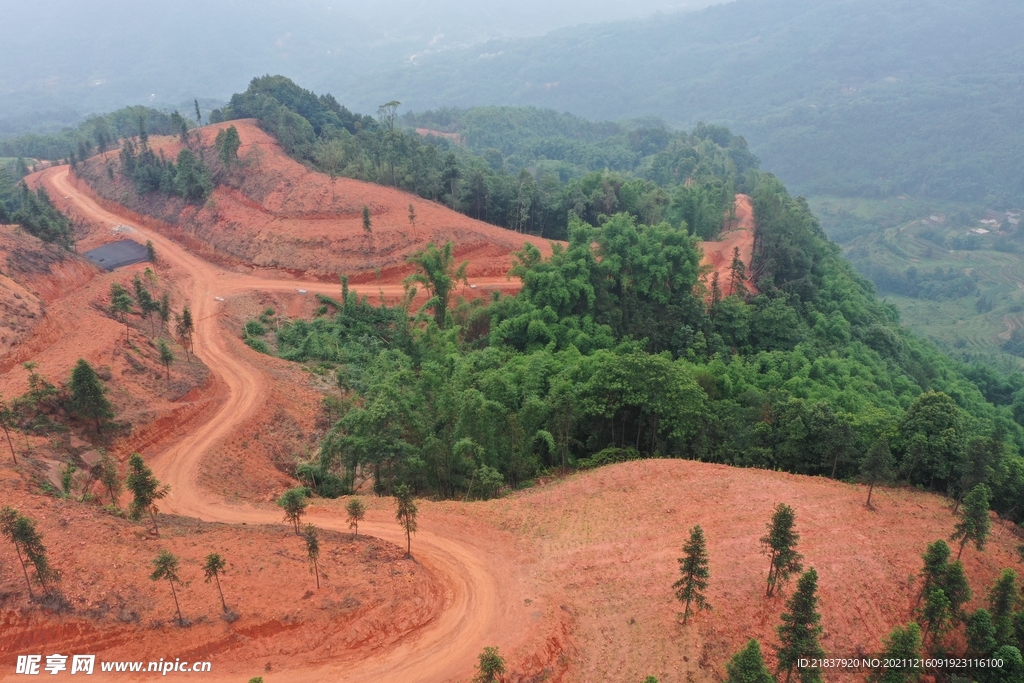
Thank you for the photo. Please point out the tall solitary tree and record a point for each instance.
(780, 546)
(367, 223)
(693, 567)
(165, 310)
(151, 251)
(213, 567)
(293, 502)
(312, 539)
(412, 215)
(165, 566)
(405, 512)
(1002, 601)
(747, 666)
(937, 615)
(800, 630)
(878, 466)
(88, 397)
(146, 490)
(439, 274)
(227, 144)
(974, 524)
(166, 355)
(356, 511)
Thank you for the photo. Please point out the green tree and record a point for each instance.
(974, 524)
(901, 645)
(747, 666)
(877, 467)
(356, 511)
(67, 478)
(147, 305)
(213, 567)
(438, 273)
(800, 630)
(693, 568)
(490, 665)
(6, 422)
(165, 310)
(294, 502)
(412, 215)
(954, 584)
(936, 559)
(21, 532)
(88, 397)
(150, 251)
(405, 512)
(981, 634)
(185, 328)
(146, 489)
(450, 174)
(165, 566)
(110, 477)
(312, 539)
(933, 434)
(166, 355)
(937, 616)
(120, 306)
(780, 546)
(1003, 599)
(192, 179)
(227, 144)
(738, 275)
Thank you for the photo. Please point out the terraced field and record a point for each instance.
(970, 326)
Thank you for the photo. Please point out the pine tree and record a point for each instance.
(780, 546)
(293, 502)
(150, 251)
(367, 224)
(88, 399)
(981, 634)
(406, 511)
(974, 524)
(166, 355)
(747, 666)
(490, 666)
(693, 567)
(800, 630)
(312, 539)
(954, 584)
(716, 290)
(146, 489)
(878, 466)
(902, 645)
(356, 511)
(412, 215)
(165, 566)
(213, 567)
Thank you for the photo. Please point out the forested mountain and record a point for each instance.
(615, 347)
(847, 97)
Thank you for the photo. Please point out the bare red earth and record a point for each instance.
(571, 580)
(737, 233)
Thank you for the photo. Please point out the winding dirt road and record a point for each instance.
(477, 602)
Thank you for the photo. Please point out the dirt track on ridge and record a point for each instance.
(446, 648)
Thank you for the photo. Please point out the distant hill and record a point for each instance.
(850, 97)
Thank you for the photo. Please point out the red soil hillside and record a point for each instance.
(738, 232)
(276, 213)
(32, 275)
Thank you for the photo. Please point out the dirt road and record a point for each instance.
(446, 648)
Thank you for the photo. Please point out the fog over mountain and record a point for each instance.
(69, 58)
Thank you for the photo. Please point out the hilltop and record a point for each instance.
(276, 214)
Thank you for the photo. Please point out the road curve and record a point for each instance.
(442, 650)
